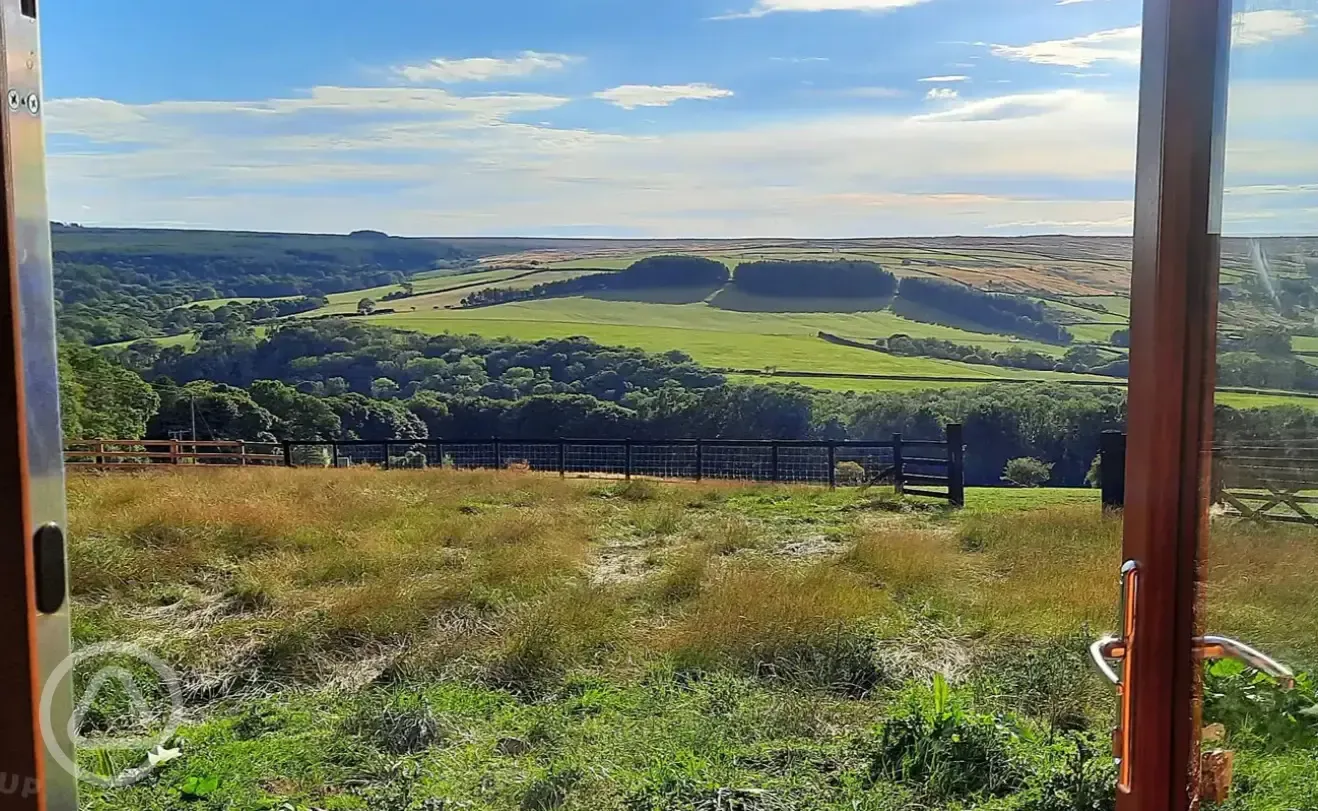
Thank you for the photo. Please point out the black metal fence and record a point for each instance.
(1267, 480)
(933, 468)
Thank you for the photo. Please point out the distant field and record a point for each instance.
(722, 338)
(599, 312)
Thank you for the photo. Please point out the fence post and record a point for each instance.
(700, 459)
(898, 465)
(629, 458)
(1218, 481)
(562, 459)
(335, 446)
(956, 466)
(832, 464)
(173, 451)
(386, 456)
(288, 453)
(498, 453)
(777, 476)
(99, 447)
(242, 453)
(1112, 469)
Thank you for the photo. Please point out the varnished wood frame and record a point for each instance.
(1182, 112)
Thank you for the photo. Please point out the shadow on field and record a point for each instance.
(913, 311)
(656, 295)
(730, 298)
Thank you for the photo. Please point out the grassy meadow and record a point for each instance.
(365, 639)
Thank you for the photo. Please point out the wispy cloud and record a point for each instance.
(1258, 27)
(952, 78)
(1114, 45)
(941, 94)
(763, 7)
(484, 68)
(1122, 45)
(631, 96)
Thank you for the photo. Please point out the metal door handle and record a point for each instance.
(1221, 647)
(1121, 649)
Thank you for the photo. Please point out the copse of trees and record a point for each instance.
(999, 312)
(815, 279)
(1083, 359)
(337, 356)
(654, 272)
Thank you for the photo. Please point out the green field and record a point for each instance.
(724, 338)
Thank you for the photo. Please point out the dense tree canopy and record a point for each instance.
(309, 355)
(815, 279)
(100, 399)
(998, 312)
(654, 272)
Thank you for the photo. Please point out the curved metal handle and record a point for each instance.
(1103, 650)
(1221, 647)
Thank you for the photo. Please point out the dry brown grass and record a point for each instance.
(757, 615)
(286, 571)
(1262, 587)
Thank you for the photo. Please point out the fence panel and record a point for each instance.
(739, 462)
(605, 458)
(922, 463)
(664, 461)
(803, 464)
(859, 465)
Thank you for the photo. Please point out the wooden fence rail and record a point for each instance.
(110, 454)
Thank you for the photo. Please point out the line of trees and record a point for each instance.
(653, 272)
(331, 380)
(999, 312)
(1082, 359)
(815, 279)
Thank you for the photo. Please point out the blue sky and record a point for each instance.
(660, 118)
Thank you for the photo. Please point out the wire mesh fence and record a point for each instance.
(920, 464)
(1262, 479)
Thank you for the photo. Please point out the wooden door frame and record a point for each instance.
(1173, 329)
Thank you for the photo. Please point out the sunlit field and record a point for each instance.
(360, 639)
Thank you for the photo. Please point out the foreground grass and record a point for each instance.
(403, 640)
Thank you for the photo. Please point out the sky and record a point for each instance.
(646, 118)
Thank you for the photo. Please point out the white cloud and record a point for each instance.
(631, 96)
(1116, 45)
(482, 69)
(1258, 27)
(1070, 2)
(941, 94)
(1122, 45)
(763, 7)
(952, 78)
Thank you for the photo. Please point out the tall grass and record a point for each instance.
(292, 572)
